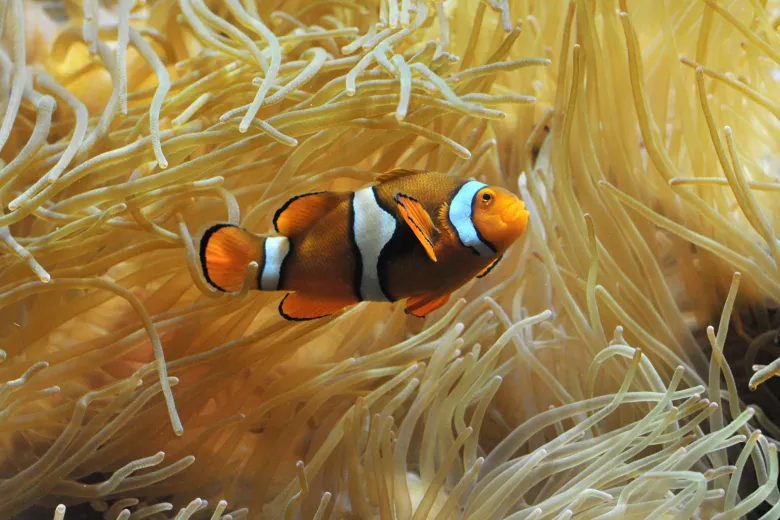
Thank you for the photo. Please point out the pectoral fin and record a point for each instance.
(302, 307)
(420, 306)
(489, 268)
(418, 220)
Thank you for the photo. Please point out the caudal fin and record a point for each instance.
(225, 253)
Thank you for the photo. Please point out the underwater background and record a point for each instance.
(619, 362)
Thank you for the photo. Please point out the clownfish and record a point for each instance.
(411, 235)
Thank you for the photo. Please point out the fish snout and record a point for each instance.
(516, 216)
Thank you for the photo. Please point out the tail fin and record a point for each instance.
(225, 253)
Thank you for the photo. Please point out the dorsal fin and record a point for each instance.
(396, 173)
(301, 211)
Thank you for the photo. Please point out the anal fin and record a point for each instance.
(418, 220)
(490, 267)
(303, 307)
(420, 306)
(300, 212)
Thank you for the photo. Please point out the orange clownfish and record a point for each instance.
(412, 235)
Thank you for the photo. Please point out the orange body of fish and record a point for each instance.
(412, 235)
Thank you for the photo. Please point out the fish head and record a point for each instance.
(500, 216)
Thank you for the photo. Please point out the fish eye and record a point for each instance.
(487, 198)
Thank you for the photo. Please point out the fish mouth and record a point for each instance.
(515, 215)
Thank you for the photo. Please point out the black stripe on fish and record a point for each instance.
(358, 275)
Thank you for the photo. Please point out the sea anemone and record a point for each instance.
(581, 378)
